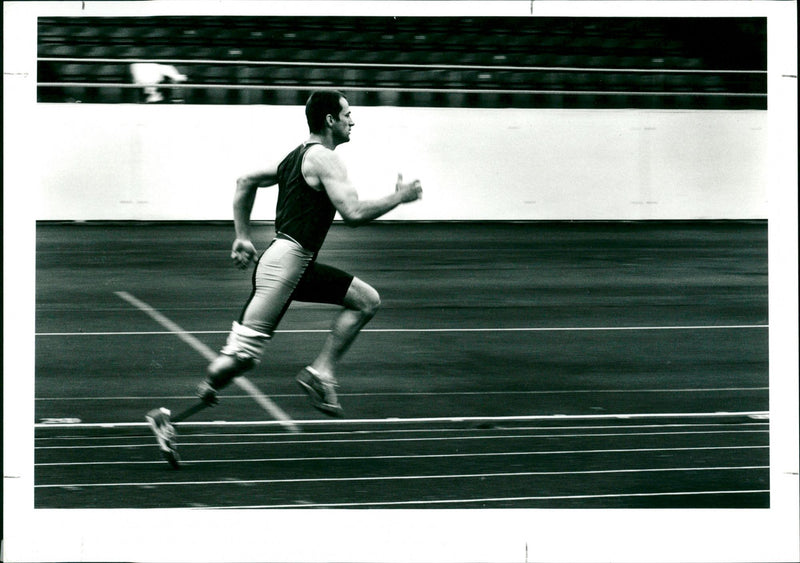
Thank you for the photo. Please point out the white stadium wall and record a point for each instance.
(180, 162)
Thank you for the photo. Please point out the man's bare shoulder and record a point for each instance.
(320, 155)
(321, 162)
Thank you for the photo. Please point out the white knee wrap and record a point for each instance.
(245, 343)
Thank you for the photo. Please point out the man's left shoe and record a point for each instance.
(159, 422)
(321, 392)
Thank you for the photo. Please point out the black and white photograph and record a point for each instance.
(400, 281)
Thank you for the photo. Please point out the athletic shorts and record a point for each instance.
(287, 272)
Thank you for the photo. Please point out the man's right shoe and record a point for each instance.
(159, 422)
(321, 392)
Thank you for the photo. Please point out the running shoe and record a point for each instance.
(207, 394)
(321, 392)
(158, 419)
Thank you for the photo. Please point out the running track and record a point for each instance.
(544, 365)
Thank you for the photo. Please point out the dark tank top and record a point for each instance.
(303, 213)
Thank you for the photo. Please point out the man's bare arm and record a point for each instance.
(243, 250)
(326, 168)
(245, 196)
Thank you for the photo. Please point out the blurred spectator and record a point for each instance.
(150, 75)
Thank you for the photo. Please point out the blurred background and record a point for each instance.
(550, 62)
(502, 118)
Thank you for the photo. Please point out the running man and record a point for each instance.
(312, 186)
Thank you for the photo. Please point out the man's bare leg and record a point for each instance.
(240, 353)
(361, 303)
(318, 380)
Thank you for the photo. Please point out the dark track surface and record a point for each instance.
(486, 334)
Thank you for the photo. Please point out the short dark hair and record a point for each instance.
(321, 104)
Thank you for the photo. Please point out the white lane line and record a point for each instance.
(440, 456)
(367, 421)
(482, 500)
(245, 384)
(740, 425)
(440, 393)
(171, 327)
(405, 477)
(184, 443)
(390, 330)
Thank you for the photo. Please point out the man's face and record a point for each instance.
(342, 126)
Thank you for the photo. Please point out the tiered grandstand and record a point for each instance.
(520, 62)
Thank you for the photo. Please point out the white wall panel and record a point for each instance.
(175, 162)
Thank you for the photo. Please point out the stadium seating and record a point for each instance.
(436, 61)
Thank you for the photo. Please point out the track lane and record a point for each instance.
(447, 352)
(595, 461)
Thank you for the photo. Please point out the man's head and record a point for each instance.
(329, 110)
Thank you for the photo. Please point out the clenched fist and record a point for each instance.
(242, 253)
(411, 191)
